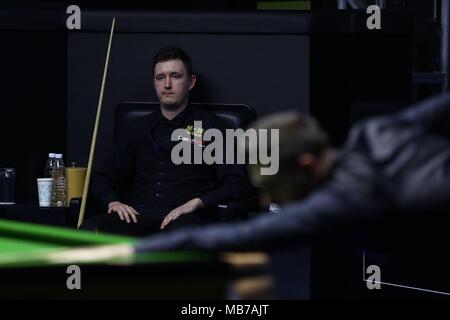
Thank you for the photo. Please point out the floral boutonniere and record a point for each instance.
(196, 135)
(195, 132)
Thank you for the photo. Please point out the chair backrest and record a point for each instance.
(236, 115)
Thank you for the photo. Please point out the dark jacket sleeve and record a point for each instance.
(432, 114)
(232, 179)
(112, 181)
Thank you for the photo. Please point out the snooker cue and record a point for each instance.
(94, 135)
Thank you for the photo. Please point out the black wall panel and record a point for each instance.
(33, 103)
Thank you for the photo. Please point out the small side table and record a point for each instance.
(31, 212)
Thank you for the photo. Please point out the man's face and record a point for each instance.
(172, 83)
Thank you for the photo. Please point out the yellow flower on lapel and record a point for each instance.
(198, 132)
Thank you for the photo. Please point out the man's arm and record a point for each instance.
(108, 180)
(112, 182)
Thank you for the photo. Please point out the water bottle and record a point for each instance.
(7, 177)
(59, 189)
(49, 165)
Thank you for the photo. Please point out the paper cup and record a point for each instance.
(45, 191)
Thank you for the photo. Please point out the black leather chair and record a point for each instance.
(236, 116)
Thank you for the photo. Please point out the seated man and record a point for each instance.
(395, 163)
(161, 194)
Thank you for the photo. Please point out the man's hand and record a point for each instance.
(124, 211)
(188, 207)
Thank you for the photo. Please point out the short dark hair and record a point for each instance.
(298, 133)
(173, 53)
